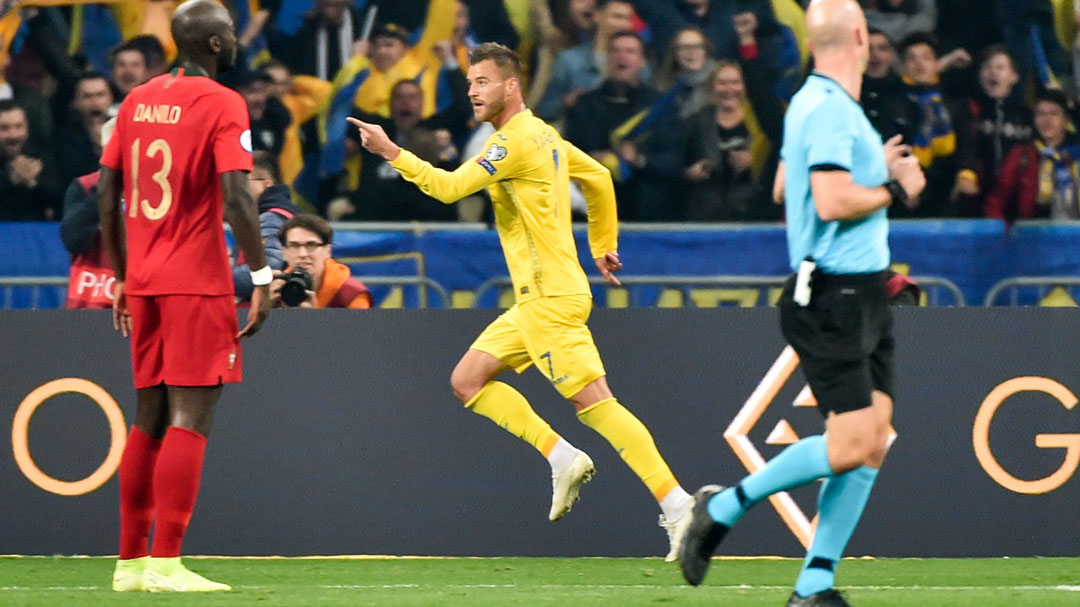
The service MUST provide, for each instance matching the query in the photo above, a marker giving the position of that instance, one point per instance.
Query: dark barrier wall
(344, 437)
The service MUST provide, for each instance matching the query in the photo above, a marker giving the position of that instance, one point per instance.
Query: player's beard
(492, 108)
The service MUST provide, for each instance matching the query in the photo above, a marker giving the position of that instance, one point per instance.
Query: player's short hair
(312, 223)
(504, 57)
(918, 39)
(602, 4)
(265, 161)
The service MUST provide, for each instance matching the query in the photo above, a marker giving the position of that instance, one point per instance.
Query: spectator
(688, 65)
(269, 117)
(27, 186)
(722, 137)
(961, 25)
(998, 120)
(406, 13)
(128, 68)
(303, 97)
(580, 69)
(715, 18)
(390, 58)
(91, 278)
(79, 136)
(153, 53)
(883, 97)
(1029, 25)
(936, 138)
(275, 208)
(324, 42)
(901, 18)
(487, 21)
(306, 242)
(1041, 179)
(383, 194)
(560, 25)
(597, 115)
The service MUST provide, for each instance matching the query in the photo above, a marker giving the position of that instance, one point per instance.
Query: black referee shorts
(843, 338)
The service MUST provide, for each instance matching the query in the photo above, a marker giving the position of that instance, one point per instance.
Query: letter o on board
(20, 436)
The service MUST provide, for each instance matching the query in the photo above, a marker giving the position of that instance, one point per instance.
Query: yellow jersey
(527, 167)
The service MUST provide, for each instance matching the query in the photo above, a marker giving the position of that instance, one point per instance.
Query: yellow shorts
(549, 332)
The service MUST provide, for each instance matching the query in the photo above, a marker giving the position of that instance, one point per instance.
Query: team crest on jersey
(245, 140)
(495, 152)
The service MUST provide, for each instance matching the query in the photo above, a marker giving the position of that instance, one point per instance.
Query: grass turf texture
(452, 582)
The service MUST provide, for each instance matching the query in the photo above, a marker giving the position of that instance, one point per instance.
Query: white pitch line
(870, 588)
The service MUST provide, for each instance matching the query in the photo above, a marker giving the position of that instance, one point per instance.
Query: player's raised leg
(176, 488)
(136, 487)
(472, 381)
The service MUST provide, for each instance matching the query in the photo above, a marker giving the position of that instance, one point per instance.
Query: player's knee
(464, 384)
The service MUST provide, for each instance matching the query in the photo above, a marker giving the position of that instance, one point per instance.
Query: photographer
(312, 279)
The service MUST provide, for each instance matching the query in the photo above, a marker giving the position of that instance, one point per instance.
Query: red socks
(136, 492)
(176, 485)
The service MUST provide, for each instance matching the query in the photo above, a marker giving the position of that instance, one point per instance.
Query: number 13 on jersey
(161, 178)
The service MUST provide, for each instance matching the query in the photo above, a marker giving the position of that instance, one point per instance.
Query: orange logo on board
(738, 437)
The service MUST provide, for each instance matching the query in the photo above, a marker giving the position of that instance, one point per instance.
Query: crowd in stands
(683, 100)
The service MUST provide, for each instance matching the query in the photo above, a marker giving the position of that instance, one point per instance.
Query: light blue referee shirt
(825, 129)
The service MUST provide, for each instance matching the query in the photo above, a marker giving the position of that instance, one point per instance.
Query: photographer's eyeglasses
(309, 247)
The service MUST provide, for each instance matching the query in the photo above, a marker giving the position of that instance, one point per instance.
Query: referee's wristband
(896, 191)
(262, 277)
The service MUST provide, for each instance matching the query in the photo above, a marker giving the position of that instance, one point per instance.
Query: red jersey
(174, 136)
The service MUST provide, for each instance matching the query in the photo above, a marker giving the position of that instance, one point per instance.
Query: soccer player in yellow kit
(527, 168)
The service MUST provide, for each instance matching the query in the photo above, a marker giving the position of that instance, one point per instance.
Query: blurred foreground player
(527, 169)
(181, 146)
(838, 181)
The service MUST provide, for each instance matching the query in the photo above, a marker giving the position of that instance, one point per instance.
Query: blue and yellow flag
(11, 21)
(332, 124)
(639, 127)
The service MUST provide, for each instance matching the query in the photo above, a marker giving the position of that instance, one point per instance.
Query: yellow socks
(631, 439)
(510, 411)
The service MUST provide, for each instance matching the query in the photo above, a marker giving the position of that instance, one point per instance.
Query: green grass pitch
(580, 582)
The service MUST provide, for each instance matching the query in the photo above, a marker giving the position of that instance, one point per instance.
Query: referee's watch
(897, 191)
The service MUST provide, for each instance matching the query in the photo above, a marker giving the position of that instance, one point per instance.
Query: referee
(840, 179)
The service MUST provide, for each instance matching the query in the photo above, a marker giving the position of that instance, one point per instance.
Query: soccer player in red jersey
(180, 156)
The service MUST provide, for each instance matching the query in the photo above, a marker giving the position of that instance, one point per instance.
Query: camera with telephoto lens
(297, 284)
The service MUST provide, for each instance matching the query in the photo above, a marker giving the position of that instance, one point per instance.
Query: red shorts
(184, 340)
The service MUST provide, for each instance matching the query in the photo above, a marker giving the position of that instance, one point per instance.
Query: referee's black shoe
(701, 538)
(825, 598)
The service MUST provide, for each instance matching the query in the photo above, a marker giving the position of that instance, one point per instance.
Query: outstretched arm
(447, 186)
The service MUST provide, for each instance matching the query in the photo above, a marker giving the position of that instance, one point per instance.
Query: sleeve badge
(495, 153)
